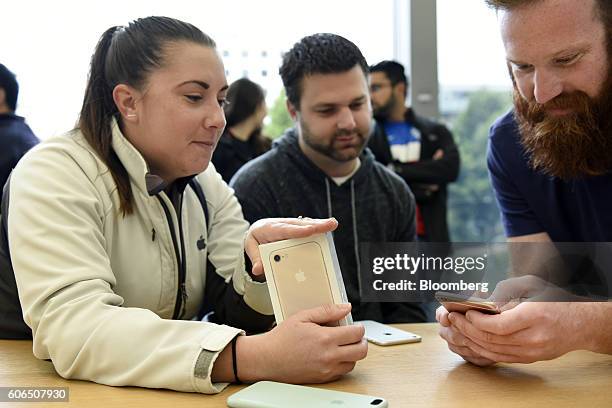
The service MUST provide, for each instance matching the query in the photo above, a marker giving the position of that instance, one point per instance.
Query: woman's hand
(276, 229)
(303, 349)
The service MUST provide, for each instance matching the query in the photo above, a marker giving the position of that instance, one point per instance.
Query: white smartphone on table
(270, 394)
(385, 335)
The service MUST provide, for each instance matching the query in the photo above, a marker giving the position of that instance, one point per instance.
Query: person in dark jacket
(16, 137)
(420, 151)
(242, 139)
(320, 167)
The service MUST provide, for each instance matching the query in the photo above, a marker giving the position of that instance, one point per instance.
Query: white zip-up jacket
(99, 289)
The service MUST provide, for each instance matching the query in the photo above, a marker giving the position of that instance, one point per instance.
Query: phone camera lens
(377, 401)
(277, 258)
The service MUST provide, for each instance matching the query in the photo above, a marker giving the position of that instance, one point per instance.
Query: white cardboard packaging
(303, 273)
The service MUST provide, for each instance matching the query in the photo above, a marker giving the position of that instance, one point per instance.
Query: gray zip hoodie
(374, 205)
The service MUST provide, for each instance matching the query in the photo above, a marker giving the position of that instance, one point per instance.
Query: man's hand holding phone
(453, 304)
(523, 331)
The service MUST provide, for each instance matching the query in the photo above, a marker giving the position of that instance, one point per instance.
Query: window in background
(50, 49)
(475, 89)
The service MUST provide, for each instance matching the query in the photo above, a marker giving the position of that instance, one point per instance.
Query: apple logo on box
(300, 276)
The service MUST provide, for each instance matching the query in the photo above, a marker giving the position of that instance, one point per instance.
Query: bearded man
(320, 168)
(549, 161)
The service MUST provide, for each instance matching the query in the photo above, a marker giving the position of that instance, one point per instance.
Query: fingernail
(468, 316)
(344, 306)
(451, 317)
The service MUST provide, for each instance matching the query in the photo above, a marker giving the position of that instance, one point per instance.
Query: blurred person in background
(422, 152)
(242, 139)
(16, 137)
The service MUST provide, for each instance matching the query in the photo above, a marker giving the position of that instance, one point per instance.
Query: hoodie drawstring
(329, 205)
(354, 218)
(356, 235)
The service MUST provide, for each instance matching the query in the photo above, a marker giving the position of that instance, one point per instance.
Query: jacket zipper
(183, 263)
(181, 291)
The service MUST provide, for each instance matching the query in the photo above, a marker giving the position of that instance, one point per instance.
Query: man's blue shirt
(531, 202)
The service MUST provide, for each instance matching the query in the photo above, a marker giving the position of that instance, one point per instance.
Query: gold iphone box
(303, 273)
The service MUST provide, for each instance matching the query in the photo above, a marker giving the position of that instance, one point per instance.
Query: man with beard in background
(320, 169)
(422, 152)
(549, 161)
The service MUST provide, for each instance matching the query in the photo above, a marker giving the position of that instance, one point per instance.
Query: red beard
(570, 146)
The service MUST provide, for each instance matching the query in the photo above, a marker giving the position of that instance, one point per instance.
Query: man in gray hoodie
(321, 168)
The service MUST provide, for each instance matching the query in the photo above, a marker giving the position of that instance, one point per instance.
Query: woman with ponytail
(121, 236)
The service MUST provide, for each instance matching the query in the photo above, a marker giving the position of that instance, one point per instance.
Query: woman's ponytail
(96, 117)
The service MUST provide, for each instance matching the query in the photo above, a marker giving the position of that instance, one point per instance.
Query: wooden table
(424, 374)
